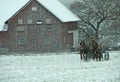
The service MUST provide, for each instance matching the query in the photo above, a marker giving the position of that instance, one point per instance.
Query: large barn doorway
(75, 38)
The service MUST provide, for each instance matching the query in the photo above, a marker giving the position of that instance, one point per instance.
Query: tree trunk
(97, 35)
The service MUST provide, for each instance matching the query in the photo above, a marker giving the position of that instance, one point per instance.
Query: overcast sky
(8, 8)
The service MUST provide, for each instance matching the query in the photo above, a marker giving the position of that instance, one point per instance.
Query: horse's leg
(86, 56)
(81, 55)
(100, 56)
(108, 56)
(93, 52)
(94, 56)
(97, 57)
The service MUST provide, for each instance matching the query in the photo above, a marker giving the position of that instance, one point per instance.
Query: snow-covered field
(58, 67)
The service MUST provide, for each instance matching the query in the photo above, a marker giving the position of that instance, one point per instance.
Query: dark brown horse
(98, 54)
(84, 49)
(96, 50)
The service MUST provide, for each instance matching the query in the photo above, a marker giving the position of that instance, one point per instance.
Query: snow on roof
(54, 6)
(59, 10)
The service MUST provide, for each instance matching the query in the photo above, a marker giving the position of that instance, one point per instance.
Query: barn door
(75, 37)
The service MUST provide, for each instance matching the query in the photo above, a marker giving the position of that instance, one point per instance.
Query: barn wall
(68, 37)
(3, 42)
(38, 37)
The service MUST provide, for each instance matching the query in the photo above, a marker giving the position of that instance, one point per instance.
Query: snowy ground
(58, 67)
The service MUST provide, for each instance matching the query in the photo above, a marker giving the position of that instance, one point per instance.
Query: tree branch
(88, 23)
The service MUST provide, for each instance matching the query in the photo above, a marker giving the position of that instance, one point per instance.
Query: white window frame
(21, 41)
(20, 29)
(48, 21)
(29, 21)
(39, 22)
(49, 29)
(48, 41)
(20, 21)
(34, 8)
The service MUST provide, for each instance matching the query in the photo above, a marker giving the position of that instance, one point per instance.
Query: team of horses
(91, 50)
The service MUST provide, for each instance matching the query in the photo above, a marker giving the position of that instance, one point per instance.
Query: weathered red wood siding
(36, 34)
(67, 38)
(4, 40)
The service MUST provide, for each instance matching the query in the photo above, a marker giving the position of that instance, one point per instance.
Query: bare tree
(94, 13)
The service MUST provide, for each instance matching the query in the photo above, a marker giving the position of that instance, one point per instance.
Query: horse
(93, 50)
(84, 49)
(98, 53)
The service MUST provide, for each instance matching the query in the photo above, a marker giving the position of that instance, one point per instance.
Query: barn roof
(54, 6)
(59, 10)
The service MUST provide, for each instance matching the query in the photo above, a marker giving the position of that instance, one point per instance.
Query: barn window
(34, 8)
(48, 21)
(48, 41)
(39, 22)
(29, 21)
(20, 29)
(21, 41)
(5, 27)
(48, 29)
(20, 21)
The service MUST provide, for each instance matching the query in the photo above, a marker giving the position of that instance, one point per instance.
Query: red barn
(40, 25)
